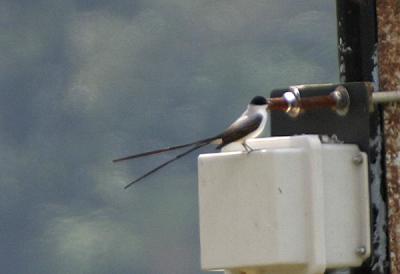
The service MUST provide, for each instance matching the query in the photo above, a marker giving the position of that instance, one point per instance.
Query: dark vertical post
(357, 40)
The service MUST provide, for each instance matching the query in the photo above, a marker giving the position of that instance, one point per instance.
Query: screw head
(361, 250)
(357, 159)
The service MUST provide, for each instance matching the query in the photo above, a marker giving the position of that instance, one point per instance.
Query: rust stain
(306, 103)
(388, 12)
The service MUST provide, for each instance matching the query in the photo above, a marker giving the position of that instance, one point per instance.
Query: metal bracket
(350, 126)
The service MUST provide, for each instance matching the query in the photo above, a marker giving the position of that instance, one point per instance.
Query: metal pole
(388, 14)
(357, 38)
(383, 97)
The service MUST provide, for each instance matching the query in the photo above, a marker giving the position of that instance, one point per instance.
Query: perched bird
(249, 125)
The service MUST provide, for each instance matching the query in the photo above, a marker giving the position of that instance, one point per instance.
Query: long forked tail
(152, 152)
(168, 162)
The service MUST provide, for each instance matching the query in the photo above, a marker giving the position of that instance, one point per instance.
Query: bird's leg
(247, 147)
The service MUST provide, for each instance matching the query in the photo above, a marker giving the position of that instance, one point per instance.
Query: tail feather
(169, 162)
(152, 152)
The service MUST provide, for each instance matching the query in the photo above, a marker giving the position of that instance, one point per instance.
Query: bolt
(357, 159)
(361, 250)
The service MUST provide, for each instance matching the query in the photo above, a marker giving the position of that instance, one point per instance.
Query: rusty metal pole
(388, 14)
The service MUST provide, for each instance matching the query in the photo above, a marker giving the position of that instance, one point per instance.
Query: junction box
(293, 205)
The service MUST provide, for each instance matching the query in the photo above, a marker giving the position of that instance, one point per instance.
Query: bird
(249, 125)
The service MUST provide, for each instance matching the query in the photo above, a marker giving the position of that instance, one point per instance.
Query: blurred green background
(84, 82)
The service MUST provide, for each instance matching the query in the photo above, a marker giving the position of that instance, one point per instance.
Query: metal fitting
(361, 251)
(292, 98)
(342, 98)
(358, 159)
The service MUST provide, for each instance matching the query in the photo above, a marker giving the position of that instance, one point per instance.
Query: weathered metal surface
(388, 13)
(357, 39)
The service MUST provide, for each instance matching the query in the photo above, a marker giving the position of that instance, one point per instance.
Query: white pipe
(381, 97)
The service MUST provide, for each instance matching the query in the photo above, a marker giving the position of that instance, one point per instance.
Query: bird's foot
(247, 148)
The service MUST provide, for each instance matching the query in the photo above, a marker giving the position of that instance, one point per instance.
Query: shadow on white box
(293, 205)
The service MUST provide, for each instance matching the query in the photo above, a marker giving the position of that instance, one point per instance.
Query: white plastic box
(294, 205)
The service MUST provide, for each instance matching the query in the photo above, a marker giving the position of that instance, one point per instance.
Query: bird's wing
(240, 128)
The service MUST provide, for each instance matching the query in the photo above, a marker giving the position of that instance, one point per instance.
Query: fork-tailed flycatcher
(249, 125)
